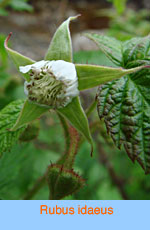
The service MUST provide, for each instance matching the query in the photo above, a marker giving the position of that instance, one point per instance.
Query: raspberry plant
(54, 84)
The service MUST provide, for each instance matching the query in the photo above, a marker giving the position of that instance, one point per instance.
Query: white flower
(52, 83)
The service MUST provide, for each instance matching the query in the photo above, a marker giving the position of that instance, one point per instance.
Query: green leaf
(108, 45)
(61, 47)
(20, 5)
(29, 113)
(8, 117)
(136, 49)
(76, 116)
(18, 59)
(91, 75)
(125, 106)
(125, 103)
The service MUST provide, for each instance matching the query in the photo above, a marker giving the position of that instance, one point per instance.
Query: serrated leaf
(136, 49)
(8, 117)
(61, 46)
(76, 116)
(29, 113)
(91, 75)
(108, 45)
(18, 59)
(125, 103)
(125, 106)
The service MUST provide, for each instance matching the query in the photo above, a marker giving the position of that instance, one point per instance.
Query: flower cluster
(52, 83)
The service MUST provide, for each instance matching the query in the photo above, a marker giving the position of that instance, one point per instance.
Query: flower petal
(64, 70)
(52, 84)
(27, 68)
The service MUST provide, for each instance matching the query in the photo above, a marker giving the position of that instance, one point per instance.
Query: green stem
(66, 131)
(74, 141)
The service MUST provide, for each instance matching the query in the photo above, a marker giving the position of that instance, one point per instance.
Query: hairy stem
(74, 142)
(66, 161)
(66, 131)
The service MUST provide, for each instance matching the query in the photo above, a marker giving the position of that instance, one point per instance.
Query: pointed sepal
(90, 76)
(29, 113)
(61, 46)
(17, 58)
(77, 117)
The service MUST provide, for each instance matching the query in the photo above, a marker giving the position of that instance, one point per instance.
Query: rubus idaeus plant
(54, 83)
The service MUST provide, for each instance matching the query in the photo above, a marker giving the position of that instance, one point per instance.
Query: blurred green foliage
(18, 5)
(119, 5)
(127, 25)
(11, 87)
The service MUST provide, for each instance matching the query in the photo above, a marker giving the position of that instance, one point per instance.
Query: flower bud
(52, 83)
(62, 182)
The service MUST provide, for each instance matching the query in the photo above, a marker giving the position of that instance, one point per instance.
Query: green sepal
(29, 113)
(61, 46)
(77, 117)
(62, 182)
(18, 59)
(31, 132)
(90, 76)
(73, 112)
